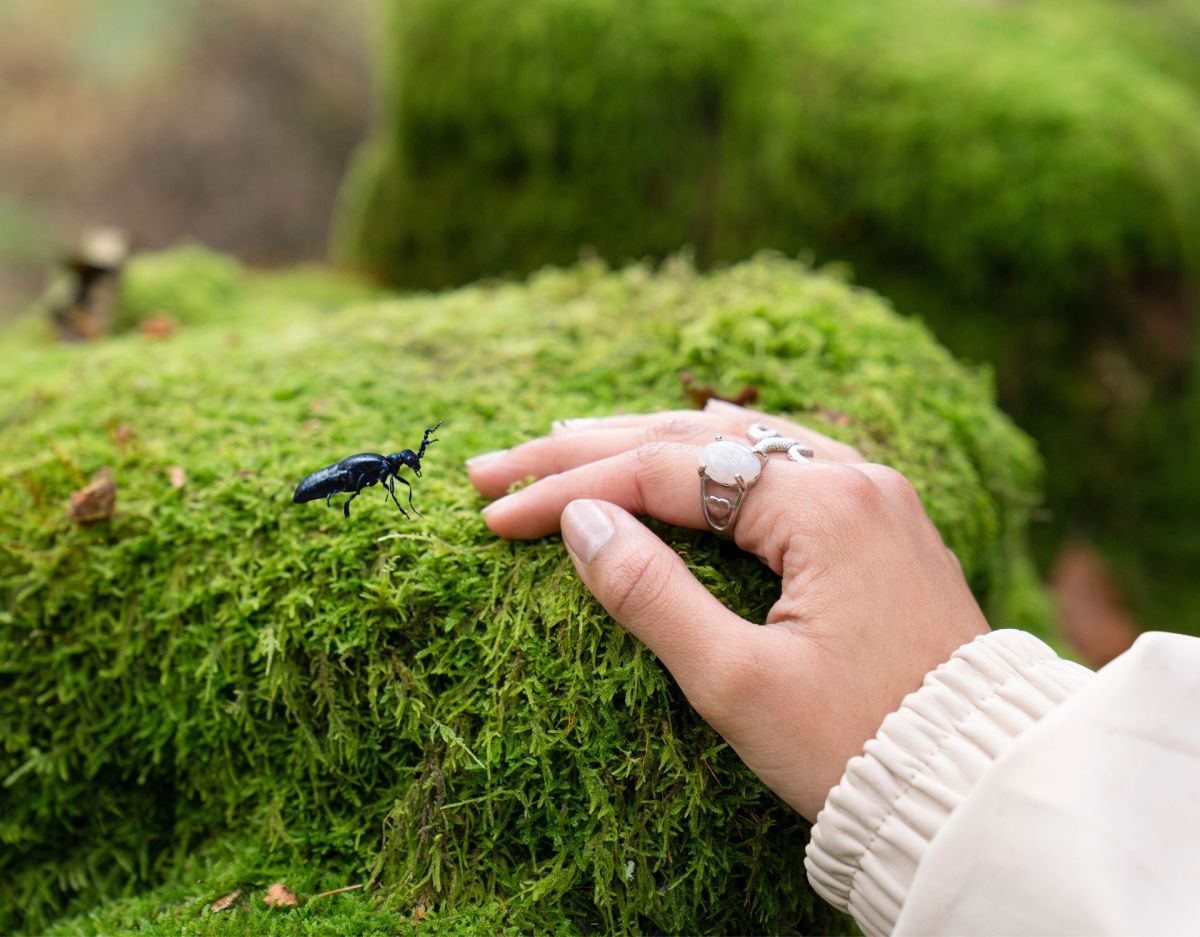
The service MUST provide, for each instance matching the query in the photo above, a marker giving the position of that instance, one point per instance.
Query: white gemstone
(725, 459)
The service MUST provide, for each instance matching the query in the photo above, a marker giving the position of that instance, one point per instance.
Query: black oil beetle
(356, 472)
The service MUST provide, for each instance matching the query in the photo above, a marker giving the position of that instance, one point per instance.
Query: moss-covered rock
(217, 688)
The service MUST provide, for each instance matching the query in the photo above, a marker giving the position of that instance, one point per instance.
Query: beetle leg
(327, 497)
(358, 486)
(410, 490)
(391, 488)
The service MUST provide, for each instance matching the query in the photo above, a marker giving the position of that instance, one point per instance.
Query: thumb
(647, 588)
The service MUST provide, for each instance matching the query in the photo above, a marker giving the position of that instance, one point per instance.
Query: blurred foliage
(217, 688)
(228, 121)
(1020, 175)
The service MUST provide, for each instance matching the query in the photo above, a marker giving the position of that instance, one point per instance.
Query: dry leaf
(177, 475)
(95, 501)
(279, 895)
(160, 326)
(223, 904)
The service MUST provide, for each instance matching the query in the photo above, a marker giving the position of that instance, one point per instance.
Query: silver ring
(769, 440)
(734, 467)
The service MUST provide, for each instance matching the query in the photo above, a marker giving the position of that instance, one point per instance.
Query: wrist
(925, 759)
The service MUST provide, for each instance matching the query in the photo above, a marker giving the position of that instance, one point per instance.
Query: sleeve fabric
(1017, 792)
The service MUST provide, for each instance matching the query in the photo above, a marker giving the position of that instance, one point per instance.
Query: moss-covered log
(216, 688)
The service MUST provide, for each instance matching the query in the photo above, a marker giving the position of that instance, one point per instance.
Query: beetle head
(407, 457)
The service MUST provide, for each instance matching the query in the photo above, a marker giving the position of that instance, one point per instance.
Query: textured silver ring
(734, 467)
(768, 440)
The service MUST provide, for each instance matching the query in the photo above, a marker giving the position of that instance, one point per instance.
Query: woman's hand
(871, 599)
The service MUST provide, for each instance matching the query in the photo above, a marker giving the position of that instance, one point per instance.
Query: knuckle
(675, 428)
(650, 456)
(894, 484)
(855, 491)
(640, 582)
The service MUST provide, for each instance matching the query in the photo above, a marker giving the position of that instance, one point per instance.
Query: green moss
(217, 679)
(1027, 149)
(1021, 175)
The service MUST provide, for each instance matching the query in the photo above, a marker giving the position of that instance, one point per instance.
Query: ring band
(769, 440)
(734, 467)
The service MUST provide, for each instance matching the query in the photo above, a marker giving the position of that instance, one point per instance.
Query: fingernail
(489, 507)
(485, 457)
(577, 423)
(585, 528)
(716, 404)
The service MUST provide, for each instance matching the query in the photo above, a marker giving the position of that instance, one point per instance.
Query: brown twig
(326, 894)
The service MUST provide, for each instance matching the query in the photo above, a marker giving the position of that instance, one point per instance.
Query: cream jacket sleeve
(1019, 793)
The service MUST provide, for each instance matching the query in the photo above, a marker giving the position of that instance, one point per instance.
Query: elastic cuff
(927, 756)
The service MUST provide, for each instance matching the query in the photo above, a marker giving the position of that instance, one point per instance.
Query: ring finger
(565, 449)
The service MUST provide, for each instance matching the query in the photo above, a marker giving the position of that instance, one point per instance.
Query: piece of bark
(224, 904)
(96, 501)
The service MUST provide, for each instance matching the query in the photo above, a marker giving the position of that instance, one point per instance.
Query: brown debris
(122, 434)
(160, 326)
(419, 912)
(224, 904)
(836, 417)
(178, 476)
(1091, 611)
(338, 891)
(700, 394)
(96, 501)
(280, 896)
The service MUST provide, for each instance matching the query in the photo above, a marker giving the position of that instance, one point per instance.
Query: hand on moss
(871, 598)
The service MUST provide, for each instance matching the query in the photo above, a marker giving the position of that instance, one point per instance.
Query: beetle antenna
(425, 440)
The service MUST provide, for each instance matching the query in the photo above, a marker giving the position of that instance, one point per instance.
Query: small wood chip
(177, 475)
(223, 904)
(279, 895)
(95, 501)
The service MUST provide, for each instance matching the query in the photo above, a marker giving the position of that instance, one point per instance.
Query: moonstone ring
(734, 467)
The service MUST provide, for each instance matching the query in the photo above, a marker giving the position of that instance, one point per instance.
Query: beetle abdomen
(320, 483)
